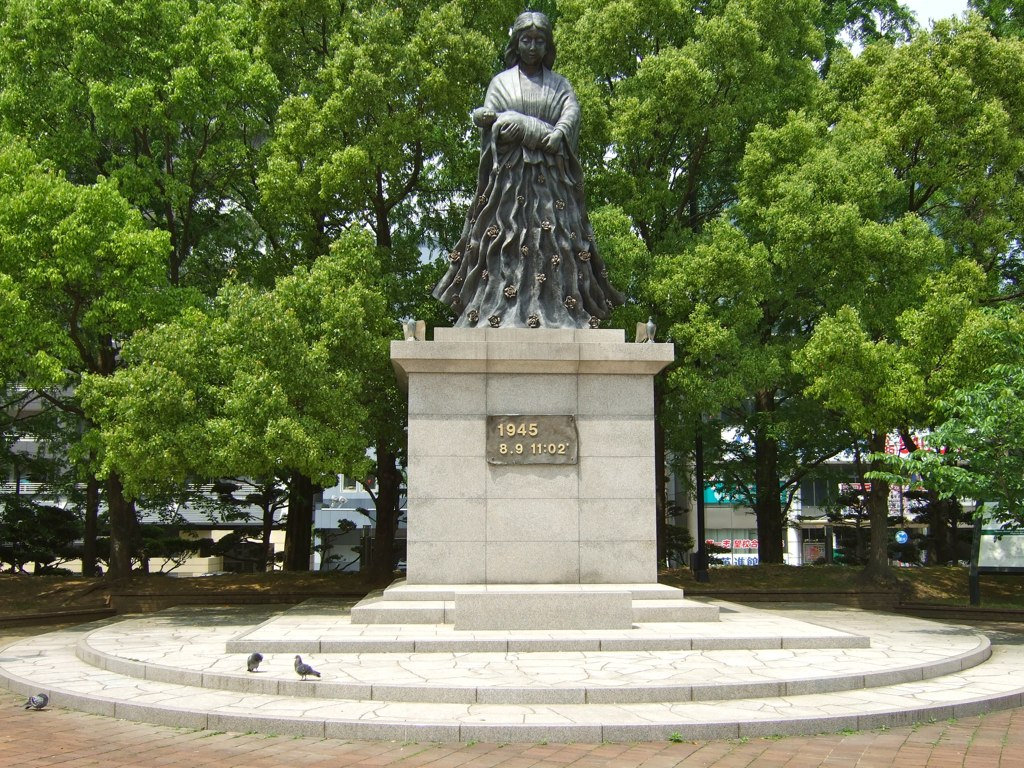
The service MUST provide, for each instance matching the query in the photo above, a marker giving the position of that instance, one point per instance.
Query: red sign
(734, 543)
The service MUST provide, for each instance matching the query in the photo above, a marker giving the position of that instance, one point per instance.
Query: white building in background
(343, 532)
(810, 536)
(340, 530)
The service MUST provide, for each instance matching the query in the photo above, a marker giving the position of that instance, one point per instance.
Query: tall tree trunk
(122, 527)
(771, 529)
(878, 514)
(299, 530)
(944, 531)
(91, 527)
(953, 511)
(389, 503)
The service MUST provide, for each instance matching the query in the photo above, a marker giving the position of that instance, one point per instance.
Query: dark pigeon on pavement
(253, 662)
(303, 669)
(39, 701)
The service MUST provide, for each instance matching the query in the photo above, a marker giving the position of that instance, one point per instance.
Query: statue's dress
(526, 257)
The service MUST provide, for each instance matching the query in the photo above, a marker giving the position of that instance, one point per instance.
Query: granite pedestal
(475, 520)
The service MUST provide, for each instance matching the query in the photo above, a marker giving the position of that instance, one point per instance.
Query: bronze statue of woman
(526, 257)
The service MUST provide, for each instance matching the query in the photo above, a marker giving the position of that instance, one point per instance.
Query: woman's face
(533, 45)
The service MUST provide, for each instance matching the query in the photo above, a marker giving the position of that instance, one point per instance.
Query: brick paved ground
(56, 737)
(66, 739)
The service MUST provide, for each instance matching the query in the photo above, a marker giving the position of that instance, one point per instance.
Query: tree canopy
(262, 383)
(213, 214)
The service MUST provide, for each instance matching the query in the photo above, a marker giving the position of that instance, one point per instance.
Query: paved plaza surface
(790, 670)
(55, 737)
(59, 737)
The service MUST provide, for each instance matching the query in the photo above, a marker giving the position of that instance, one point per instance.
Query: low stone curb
(56, 617)
(504, 732)
(979, 613)
(523, 645)
(140, 602)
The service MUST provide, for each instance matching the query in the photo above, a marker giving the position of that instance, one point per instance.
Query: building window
(817, 492)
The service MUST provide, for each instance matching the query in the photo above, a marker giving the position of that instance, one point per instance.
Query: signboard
(902, 537)
(515, 439)
(734, 543)
(742, 551)
(997, 549)
(813, 551)
(731, 559)
(717, 493)
(1000, 549)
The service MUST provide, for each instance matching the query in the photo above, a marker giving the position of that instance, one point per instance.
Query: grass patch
(22, 593)
(27, 594)
(940, 585)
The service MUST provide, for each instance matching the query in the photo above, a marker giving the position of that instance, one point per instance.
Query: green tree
(973, 451)
(1003, 16)
(747, 297)
(263, 383)
(41, 534)
(671, 95)
(940, 118)
(170, 99)
(890, 203)
(80, 273)
(378, 139)
(172, 102)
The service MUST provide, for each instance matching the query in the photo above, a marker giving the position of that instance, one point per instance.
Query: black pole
(700, 565)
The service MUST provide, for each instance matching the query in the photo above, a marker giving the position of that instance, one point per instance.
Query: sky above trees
(936, 9)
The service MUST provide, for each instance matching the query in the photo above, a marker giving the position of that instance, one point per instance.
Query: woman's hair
(525, 21)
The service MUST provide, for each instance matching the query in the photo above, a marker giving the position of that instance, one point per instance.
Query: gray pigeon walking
(39, 701)
(303, 669)
(253, 662)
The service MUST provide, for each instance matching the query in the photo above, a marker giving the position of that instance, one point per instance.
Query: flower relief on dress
(526, 257)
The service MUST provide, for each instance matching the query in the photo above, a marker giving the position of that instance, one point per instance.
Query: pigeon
(39, 701)
(651, 328)
(253, 661)
(303, 669)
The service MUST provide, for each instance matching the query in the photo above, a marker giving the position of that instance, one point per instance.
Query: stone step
(543, 610)
(673, 610)
(323, 626)
(640, 641)
(402, 590)
(382, 611)
(527, 677)
(530, 606)
(48, 663)
(390, 611)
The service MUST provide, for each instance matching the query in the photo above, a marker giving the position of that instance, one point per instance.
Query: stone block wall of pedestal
(471, 522)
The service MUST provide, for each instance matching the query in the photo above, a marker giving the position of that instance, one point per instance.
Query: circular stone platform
(754, 672)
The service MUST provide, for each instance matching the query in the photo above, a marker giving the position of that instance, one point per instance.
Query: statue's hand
(511, 132)
(484, 117)
(552, 142)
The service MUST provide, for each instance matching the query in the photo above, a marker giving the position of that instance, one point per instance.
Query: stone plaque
(532, 440)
